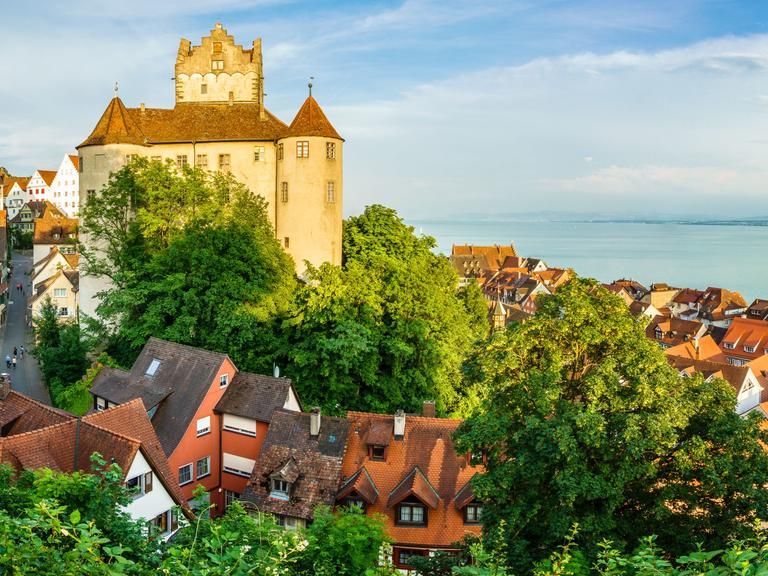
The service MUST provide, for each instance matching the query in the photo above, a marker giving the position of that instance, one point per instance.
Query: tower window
(217, 65)
(302, 149)
(330, 150)
(284, 192)
(258, 154)
(224, 162)
(279, 151)
(330, 192)
(203, 88)
(217, 47)
(287, 242)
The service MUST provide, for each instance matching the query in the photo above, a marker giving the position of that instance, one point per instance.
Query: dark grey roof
(254, 396)
(177, 387)
(317, 462)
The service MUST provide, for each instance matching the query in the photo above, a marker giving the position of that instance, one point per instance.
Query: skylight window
(153, 366)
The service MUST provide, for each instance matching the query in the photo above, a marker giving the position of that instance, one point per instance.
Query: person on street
(14, 362)
(15, 350)
(7, 360)
(22, 352)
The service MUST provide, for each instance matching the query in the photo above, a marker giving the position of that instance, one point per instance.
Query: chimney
(428, 409)
(696, 346)
(275, 370)
(142, 107)
(231, 98)
(314, 422)
(5, 387)
(399, 425)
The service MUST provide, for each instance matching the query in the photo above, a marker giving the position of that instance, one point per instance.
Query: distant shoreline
(762, 222)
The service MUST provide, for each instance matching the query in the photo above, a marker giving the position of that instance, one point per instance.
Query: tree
(388, 330)
(585, 422)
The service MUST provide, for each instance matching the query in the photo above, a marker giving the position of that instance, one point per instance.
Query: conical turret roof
(115, 127)
(311, 121)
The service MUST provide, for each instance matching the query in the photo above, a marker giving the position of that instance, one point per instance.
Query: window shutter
(148, 482)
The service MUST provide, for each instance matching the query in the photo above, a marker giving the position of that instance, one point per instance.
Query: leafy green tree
(46, 325)
(389, 329)
(585, 422)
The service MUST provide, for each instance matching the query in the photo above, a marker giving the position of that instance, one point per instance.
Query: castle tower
(310, 187)
(219, 71)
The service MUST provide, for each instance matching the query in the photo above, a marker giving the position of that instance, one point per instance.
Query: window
(302, 149)
(101, 404)
(473, 513)
(412, 513)
(181, 161)
(224, 161)
(80, 164)
(165, 522)
(223, 380)
(283, 192)
(130, 158)
(63, 311)
(330, 150)
(354, 502)
(202, 161)
(185, 474)
(749, 349)
(217, 65)
(90, 194)
(203, 426)
(203, 467)
(280, 151)
(217, 47)
(291, 523)
(156, 158)
(377, 452)
(230, 497)
(729, 345)
(405, 557)
(287, 242)
(658, 333)
(330, 192)
(258, 154)
(153, 366)
(280, 489)
(237, 465)
(203, 88)
(59, 292)
(239, 425)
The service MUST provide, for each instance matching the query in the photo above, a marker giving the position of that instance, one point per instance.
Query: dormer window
(658, 333)
(749, 349)
(153, 366)
(280, 489)
(223, 380)
(411, 512)
(473, 513)
(729, 345)
(377, 452)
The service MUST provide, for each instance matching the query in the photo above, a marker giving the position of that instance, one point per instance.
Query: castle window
(224, 162)
(284, 191)
(217, 47)
(287, 242)
(181, 161)
(217, 65)
(330, 150)
(258, 154)
(80, 164)
(302, 149)
(330, 192)
(203, 88)
(279, 151)
(202, 161)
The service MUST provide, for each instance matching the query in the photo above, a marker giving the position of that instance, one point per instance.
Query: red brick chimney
(428, 409)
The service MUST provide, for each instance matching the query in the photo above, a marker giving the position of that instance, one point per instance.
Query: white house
(16, 196)
(39, 185)
(54, 261)
(63, 290)
(65, 189)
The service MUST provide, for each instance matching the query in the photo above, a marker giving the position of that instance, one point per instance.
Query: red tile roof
(310, 120)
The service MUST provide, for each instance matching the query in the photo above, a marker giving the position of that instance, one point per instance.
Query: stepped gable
(131, 420)
(254, 396)
(311, 121)
(116, 126)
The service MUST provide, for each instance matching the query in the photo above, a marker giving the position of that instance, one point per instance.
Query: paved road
(26, 378)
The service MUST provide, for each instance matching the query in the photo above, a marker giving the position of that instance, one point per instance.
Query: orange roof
(423, 464)
(115, 127)
(707, 350)
(494, 255)
(311, 121)
(746, 332)
(75, 161)
(54, 229)
(47, 176)
(11, 180)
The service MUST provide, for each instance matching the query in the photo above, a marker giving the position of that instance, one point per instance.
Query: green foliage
(193, 259)
(584, 422)
(388, 330)
(21, 239)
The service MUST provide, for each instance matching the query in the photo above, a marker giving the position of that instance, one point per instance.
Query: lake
(682, 255)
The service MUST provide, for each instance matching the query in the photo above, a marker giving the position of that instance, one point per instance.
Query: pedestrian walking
(15, 351)
(14, 362)
(7, 360)
(22, 352)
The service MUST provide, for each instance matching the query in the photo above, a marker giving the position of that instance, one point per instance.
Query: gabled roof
(317, 462)
(414, 484)
(11, 180)
(359, 483)
(177, 387)
(20, 413)
(52, 228)
(75, 161)
(310, 120)
(47, 176)
(705, 349)
(495, 255)
(465, 495)
(254, 396)
(116, 126)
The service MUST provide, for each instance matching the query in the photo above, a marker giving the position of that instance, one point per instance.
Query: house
(686, 303)
(719, 306)
(32, 210)
(619, 291)
(469, 267)
(660, 295)
(299, 467)
(39, 185)
(743, 380)
(63, 290)
(407, 469)
(668, 332)
(246, 410)
(52, 262)
(633, 287)
(180, 386)
(33, 435)
(758, 310)
(745, 340)
(15, 195)
(494, 255)
(52, 230)
(704, 348)
(65, 189)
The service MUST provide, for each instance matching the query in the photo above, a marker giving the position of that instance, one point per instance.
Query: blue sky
(449, 108)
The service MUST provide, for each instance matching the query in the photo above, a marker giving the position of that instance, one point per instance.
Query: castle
(219, 122)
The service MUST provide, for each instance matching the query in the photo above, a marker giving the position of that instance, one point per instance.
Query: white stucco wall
(149, 505)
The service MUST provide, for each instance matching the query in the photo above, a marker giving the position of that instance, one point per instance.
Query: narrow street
(26, 378)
